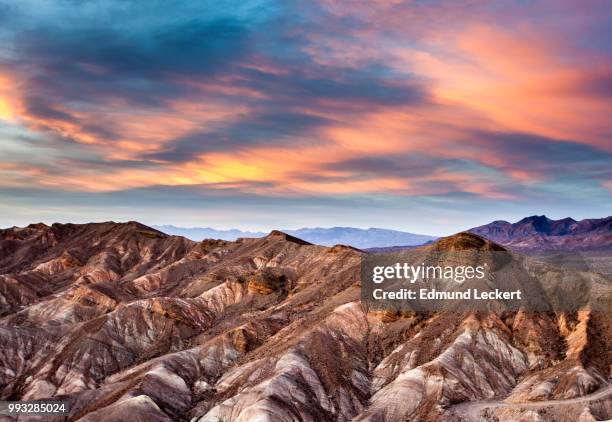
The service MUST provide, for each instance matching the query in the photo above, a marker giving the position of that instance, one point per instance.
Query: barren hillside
(125, 322)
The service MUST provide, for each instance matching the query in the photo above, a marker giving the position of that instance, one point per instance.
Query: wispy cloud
(393, 99)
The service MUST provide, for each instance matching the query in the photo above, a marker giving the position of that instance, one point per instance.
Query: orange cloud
(138, 130)
(479, 78)
(523, 82)
(10, 106)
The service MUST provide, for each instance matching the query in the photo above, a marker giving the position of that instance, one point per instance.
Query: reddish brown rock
(127, 323)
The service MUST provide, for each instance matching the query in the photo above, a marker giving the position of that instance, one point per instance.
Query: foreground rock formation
(127, 323)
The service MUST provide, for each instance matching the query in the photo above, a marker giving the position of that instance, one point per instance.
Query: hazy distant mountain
(358, 238)
(540, 232)
(199, 233)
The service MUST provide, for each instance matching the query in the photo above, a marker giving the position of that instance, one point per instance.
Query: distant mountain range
(200, 233)
(542, 233)
(358, 238)
(530, 233)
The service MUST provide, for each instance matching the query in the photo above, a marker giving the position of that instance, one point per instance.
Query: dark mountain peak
(500, 223)
(277, 234)
(466, 241)
(533, 218)
(563, 226)
(595, 223)
(541, 232)
(539, 221)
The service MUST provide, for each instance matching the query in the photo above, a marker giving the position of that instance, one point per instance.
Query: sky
(425, 116)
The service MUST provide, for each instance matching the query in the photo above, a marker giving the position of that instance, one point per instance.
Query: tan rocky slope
(126, 323)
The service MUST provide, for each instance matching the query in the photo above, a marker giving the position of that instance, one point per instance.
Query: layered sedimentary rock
(124, 322)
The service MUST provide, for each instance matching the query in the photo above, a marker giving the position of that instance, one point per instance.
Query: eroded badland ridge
(123, 321)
